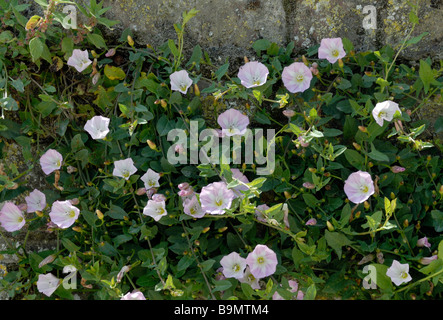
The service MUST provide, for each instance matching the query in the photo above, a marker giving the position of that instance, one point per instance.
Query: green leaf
(35, 48)
(437, 220)
(68, 244)
(355, 159)
(97, 40)
(114, 73)
(173, 47)
(381, 279)
(221, 71)
(440, 250)
(336, 240)
(310, 200)
(377, 155)
(222, 285)
(311, 292)
(426, 75)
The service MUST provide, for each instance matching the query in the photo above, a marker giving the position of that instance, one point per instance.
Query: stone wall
(227, 28)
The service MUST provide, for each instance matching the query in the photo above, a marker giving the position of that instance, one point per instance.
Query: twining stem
(198, 262)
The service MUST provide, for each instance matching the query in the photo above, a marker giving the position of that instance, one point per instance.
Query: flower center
(218, 202)
(71, 213)
(335, 53)
(260, 260)
(364, 189)
(193, 211)
(19, 219)
(151, 183)
(236, 268)
(403, 275)
(125, 173)
(381, 114)
(299, 77)
(183, 87)
(160, 211)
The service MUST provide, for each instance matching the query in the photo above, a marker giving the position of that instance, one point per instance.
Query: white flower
(79, 60)
(180, 81)
(233, 122)
(97, 127)
(11, 217)
(359, 186)
(63, 214)
(36, 201)
(155, 209)
(385, 111)
(47, 283)
(399, 273)
(134, 295)
(150, 178)
(253, 74)
(216, 197)
(233, 265)
(249, 278)
(51, 161)
(331, 49)
(124, 168)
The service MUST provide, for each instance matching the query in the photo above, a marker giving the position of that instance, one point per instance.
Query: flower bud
(397, 169)
(423, 242)
(311, 222)
(288, 113)
(428, 260)
(196, 90)
(99, 214)
(308, 185)
(340, 63)
(130, 41)
(330, 226)
(151, 144)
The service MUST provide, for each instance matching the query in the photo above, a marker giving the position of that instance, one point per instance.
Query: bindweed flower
(155, 209)
(134, 295)
(308, 185)
(262, 261)
(249, 278)
(122, 272)
(331, 49)
(260, 211)
(288, 113)
(97, 127)
(233, 122)
(294, 289)
(36, 201)
(359, 186)
(423, 242)
(51, 161)
(11, 217)
(192, 207)
(428, 260)
(237, 174)
(124, 168)
(63, 214)
(79, 60)
(150, 179)
(216, 197)
(399, 273)
(397, 169)
(297, 77)
(233, 265)
(180, 81)
(385, 111)
(311, 222)
(47, 260)
(253, 74)
(158, 197)
(47, 283)
(179, 149)
(110, 53)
